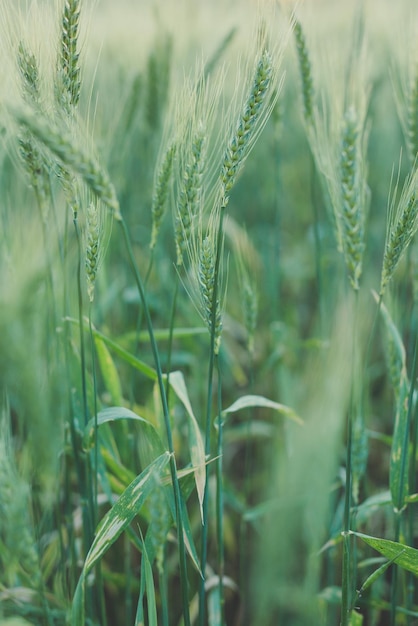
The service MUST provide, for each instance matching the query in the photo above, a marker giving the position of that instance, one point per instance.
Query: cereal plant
(208, 321)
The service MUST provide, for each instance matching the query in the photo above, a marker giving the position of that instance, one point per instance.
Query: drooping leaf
(129, 358)
(399, 457)
(115, 521)
(116, 413)
(246, 402)
(109, 371)
(197, 448)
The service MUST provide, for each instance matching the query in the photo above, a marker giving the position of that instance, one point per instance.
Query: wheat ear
(62, 145)
(305, 72)
(34, 162)
(206, 277)
(190, 194)
(159, 199)
(68, 83)
(248, 126)
(352, 196)
(401, 228)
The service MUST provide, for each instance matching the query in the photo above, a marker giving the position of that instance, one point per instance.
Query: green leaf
(399, 457)
(214, 607)
(197, 449)
(246, 402)
(377, 573)
(146, 574)
(187, 531)
(399, 454)
(356, 619)
(113, 524)
(116, 413)
(404, 556)
(109, 371)
(129, 358)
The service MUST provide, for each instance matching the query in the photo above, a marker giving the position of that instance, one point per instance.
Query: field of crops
(208, 313)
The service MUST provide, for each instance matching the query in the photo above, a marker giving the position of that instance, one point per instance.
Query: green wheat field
(208, 313)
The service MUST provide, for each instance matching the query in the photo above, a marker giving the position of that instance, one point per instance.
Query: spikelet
(33, 160)
(401, 227)
(92, 249)
(160, 195)
(158, 79)
(250, 123)
(305, 73)
(206, 277)
(190, 193)
(68, 83)
(71, 156)
(353, 208)
(29, 74)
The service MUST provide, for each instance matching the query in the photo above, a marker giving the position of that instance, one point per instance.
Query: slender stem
(220, 497)
(318, 247)
(96, 441)
(205, 504)
(348, 575)
(170, 336)
(81, 325)
(404, 459)
(87, 487)
(410, 583)
(95, 465)
(163, 396)
(163, 594)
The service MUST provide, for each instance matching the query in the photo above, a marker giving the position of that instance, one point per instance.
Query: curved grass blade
(197, 448)
(116, 413)
(113, 524)
(377, 573)
(147, 585)
(109, 371)
(246, 402)
(404, 556)
(399, 465)
(129, 358)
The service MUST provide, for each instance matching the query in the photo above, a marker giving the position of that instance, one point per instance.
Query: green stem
(164, 594)
(318, 247)
(348, 575)
(163, 396)
(220, 497)
(87, 488)
(205, 504)
(170, 336)
(410, 581)
(404, 460)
